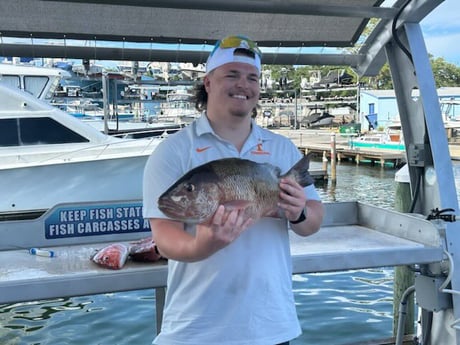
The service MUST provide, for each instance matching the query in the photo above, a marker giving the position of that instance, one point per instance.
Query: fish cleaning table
(353, 236)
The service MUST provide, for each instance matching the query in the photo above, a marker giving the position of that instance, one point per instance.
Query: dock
(374, 156)
(319, 141)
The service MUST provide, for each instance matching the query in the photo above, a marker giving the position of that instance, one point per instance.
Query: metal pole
(295, 113)
(115, 102)
(358, 100)
(105, 101)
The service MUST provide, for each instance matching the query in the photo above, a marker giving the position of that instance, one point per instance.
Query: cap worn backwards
(224, 52)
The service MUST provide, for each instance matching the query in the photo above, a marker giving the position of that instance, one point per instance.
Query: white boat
(386, 140)
(42, 82)
(86, 108)
(48, 157)
(179, 107)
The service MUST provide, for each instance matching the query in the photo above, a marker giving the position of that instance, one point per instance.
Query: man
(229, 282)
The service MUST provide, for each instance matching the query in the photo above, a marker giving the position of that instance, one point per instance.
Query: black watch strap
(301, 218)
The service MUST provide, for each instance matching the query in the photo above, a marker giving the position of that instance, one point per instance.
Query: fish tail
(300, 171)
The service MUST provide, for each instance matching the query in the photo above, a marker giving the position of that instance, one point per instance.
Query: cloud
(441, 30)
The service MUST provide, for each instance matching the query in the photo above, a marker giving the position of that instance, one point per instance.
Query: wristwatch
(301, 218)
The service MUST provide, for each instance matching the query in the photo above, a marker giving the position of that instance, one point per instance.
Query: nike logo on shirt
(202, 149)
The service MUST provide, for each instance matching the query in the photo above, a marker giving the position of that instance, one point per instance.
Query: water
(334, 308)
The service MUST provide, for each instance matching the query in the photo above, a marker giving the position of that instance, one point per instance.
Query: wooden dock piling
(333, 159)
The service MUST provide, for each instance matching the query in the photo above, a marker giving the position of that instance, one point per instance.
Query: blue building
(378, 108)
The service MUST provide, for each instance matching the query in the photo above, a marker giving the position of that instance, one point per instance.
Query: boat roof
(30, 70)
(275, 25)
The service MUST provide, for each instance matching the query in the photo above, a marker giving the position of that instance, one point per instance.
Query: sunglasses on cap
(237, 42)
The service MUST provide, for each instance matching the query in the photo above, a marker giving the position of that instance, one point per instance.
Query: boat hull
(384, 146)
(41, 187)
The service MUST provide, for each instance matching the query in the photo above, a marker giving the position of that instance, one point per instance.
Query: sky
(441, 30)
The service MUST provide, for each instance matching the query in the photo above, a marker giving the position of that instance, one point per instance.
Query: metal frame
(429, 162)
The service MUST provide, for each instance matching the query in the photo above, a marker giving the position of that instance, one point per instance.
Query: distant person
(230, 281)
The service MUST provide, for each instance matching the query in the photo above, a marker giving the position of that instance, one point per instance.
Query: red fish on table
(114, 256)
(144, 250)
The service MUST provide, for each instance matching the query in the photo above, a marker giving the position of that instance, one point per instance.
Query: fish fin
(300, 171)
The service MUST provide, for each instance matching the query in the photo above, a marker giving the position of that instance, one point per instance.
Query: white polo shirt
(241, 295)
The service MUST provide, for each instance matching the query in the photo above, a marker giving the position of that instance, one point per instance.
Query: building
(378, 108)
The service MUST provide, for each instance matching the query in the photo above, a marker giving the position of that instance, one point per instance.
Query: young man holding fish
(227, 241)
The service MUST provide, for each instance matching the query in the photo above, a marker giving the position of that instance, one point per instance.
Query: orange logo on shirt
(202, 149)
(259, 150)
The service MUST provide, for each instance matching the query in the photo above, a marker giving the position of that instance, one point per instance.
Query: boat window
(11, 80)
(54, 85)
(35, 84)
(36, 131)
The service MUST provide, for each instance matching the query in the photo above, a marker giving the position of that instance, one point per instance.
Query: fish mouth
(170, 209)
(176, 212)
(173, 212)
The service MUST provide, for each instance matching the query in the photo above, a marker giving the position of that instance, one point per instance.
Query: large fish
(232, 182)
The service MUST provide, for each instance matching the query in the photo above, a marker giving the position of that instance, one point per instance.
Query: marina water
(334, 308)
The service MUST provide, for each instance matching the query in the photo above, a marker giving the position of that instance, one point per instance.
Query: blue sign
(92, 220)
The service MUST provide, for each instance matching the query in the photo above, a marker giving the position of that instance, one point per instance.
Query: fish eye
(189, 187)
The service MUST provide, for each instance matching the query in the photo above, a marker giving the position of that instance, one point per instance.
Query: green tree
(445, 73)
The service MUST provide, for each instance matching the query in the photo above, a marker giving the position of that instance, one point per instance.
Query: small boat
(387, 140)
(48, 156)
(323, 119)
(317, 117)
(86, 108)
(179, 107)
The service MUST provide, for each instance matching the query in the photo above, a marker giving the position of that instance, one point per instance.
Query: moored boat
(42, 82)
(387, 140)
(48, 156)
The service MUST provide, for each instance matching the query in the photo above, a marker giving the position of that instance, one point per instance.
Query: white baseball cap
(224, 52)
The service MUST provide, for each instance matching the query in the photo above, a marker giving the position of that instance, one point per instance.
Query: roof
(442, 92)
(277, 24)
(380, 93)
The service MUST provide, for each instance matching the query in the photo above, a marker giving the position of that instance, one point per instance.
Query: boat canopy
(327, 25)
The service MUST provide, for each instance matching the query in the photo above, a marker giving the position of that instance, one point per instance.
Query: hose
(402, 314)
